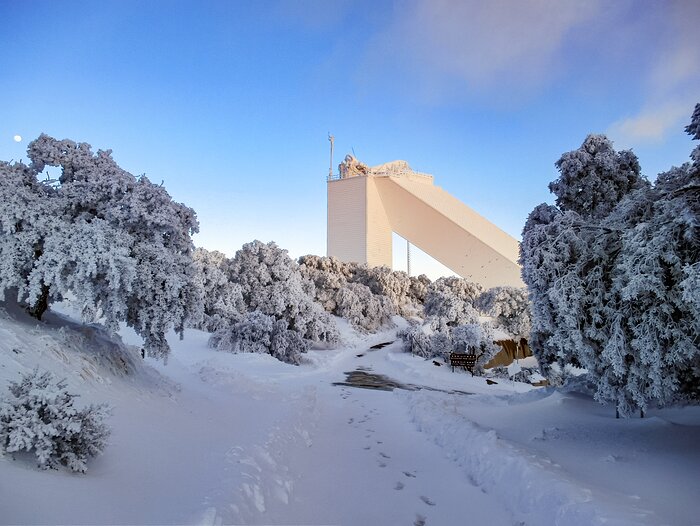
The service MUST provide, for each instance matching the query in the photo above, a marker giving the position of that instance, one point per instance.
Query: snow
(214, 438)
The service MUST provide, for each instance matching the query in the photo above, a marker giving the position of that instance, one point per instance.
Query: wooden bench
(468, 361)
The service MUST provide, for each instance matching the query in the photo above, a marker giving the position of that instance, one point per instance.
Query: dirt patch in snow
(365, 379)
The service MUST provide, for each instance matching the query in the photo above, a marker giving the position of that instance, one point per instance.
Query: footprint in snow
(427, 500)
(384, 455)
(367, 447)
(420, 520)
(382, 464)
(399, 486)
(409, 474)
(351, 421)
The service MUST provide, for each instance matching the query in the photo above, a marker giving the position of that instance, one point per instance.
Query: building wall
(364, 211)
(379, 238)
(347, 219)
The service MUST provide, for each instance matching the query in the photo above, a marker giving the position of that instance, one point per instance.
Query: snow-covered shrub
(451, 323)
(39, 416)
(271, 282)
(509, 308)
(475, 338)
(405, 293)
(419, 289)
(422, 340)
(328, 281)
(435, 339)
(327, 275)
(256, 332)
(222, 300)
(117, 243)
(611, 275)
(356, 303)
(336, 285)
(524, 374)
(452, 299)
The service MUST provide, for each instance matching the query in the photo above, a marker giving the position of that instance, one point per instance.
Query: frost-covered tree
(451, 323)
(427, 341)
(693, 129)
(594, 178)
(271, 282)
(510, 308)
(395, 285)
(351, 300)
(475, 338)
(615, 290)
(419, 289)
(117, 243)
(356, 303)
(256, 332)
(327, 275)
(39, 415)
(222, 299)
(654, 349)
(452, 299)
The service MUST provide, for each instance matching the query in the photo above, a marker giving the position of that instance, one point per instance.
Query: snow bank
(87, 356)
(531, 487)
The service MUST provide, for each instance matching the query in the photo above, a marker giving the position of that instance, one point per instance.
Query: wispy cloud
(651, 124)
(672, 82)
(481, 46)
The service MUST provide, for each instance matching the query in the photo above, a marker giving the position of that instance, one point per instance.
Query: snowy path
(334, 455)
(365, 463)
(216, 438)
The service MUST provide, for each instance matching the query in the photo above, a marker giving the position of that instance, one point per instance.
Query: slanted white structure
(366, 204)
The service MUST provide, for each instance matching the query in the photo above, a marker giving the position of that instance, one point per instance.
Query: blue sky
(230, 103)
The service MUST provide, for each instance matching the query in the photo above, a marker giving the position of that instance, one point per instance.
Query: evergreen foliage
(271, 282)
(256, 332)
(39, 416)
(452, 324)
(117, 243)
(222, 299)
(612, 276)
(510, 309)
(405, 294)
(336, 286)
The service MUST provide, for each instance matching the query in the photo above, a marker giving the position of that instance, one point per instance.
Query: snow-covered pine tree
(272, 283)
(613, 284)
(353, 301)
(118, 243)
(510, 308)
(594, 178)
(452, 299)
(255, 332)
(40, 416)
(654, 346)
(222, 300)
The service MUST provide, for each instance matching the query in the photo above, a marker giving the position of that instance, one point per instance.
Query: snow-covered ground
(213, 438)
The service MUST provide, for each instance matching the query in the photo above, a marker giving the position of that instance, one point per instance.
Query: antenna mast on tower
(330, 169)
(408, 258)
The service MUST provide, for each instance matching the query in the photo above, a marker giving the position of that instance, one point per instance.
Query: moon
(17, 138)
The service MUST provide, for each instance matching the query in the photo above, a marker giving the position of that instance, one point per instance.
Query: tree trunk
(42, 304)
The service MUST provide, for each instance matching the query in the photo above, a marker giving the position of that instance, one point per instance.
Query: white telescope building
(366, 204)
